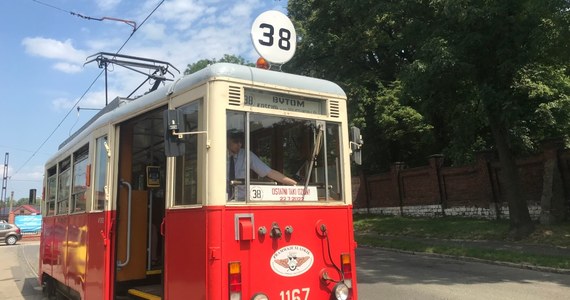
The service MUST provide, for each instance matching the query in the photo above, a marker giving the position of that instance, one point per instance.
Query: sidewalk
(16, 283)
(485, 244)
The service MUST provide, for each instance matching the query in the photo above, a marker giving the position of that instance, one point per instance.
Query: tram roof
(242, 72)
(121, 107)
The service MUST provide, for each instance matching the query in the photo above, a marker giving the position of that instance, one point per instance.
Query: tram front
(292, 222)
(269, 166)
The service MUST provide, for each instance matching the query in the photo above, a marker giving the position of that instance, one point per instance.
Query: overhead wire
(52, 6)
(88, 89)
(128, 22)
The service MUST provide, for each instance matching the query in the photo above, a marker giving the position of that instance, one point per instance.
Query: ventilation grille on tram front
(334, 109)
(235, 95)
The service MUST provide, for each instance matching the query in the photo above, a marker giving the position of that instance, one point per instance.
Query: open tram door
(138, 251)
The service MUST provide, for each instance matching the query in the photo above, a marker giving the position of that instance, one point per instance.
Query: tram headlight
(260, 296)
(341, 291)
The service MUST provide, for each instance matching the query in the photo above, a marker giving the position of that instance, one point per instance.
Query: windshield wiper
(316, 150)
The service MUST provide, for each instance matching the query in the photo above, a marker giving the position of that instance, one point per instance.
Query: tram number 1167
(295, 294)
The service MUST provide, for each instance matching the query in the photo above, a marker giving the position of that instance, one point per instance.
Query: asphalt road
(381, 275)
(392, 275)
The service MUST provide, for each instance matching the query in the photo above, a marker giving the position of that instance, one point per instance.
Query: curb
(30, 238)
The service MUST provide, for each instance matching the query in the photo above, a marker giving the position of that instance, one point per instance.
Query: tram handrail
(121, 264)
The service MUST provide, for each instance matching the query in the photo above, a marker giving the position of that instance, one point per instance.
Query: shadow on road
(402, 269)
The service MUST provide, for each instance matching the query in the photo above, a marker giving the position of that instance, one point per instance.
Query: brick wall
(472, 190)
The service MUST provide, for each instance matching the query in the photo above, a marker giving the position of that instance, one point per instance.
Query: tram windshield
(289, 159)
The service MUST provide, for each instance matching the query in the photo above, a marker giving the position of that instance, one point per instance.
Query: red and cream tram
(138, 204)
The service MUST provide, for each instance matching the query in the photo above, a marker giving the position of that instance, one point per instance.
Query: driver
(236, 158)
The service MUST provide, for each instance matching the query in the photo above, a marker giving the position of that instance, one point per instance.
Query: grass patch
(396, 232)
(558, 235)
(442, 228)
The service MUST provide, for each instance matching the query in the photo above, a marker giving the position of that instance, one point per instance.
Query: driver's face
(234, 146)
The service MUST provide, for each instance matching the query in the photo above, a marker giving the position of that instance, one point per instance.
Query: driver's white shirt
(258, 166)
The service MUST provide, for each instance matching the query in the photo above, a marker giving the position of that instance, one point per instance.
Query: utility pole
(11, 201)
(4, 181)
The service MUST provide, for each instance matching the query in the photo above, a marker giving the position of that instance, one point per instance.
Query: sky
(44, 45)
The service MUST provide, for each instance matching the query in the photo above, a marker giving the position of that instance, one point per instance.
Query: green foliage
(197, 66)
(501, 44)
(458, 228)
(22, 201)
(443, 76)
(357, 45)
(441, 228)
(402, 127)
(461, 67)
(549, 87)
(201, 64)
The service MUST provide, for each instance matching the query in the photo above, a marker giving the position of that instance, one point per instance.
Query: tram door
(140, 206)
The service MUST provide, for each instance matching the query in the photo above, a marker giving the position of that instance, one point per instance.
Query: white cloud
(50, 48)
(70, 60)
(243, 9)
(96, 100)
(185, 14)
(107, 4)
(92, 100)
(32, 173)
(104, 44)
(184, 31)
(61, 104)
(67, 67)
(154, 31)
(180, 32)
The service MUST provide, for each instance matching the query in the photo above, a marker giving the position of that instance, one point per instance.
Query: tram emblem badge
(292, 260)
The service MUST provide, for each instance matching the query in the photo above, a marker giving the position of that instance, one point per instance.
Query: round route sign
(274, 37)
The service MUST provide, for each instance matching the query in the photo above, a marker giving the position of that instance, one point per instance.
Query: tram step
(154, 272)
(149, 292)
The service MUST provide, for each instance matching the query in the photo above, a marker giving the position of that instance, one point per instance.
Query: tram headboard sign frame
(274, 37)
(259, 98)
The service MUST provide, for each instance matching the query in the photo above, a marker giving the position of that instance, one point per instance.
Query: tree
(480, 74)
(201, 64)
(354, 44)
(22, 201)
(489, 47)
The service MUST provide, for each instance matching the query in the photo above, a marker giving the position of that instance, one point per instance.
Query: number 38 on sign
(274, 37)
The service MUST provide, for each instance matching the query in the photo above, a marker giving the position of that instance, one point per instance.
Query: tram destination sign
(282, 193)
(263, 99)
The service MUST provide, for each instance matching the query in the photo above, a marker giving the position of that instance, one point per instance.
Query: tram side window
(51, 191)
(78, 203)
(100, 183)
(63, 186)
(187, 179)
